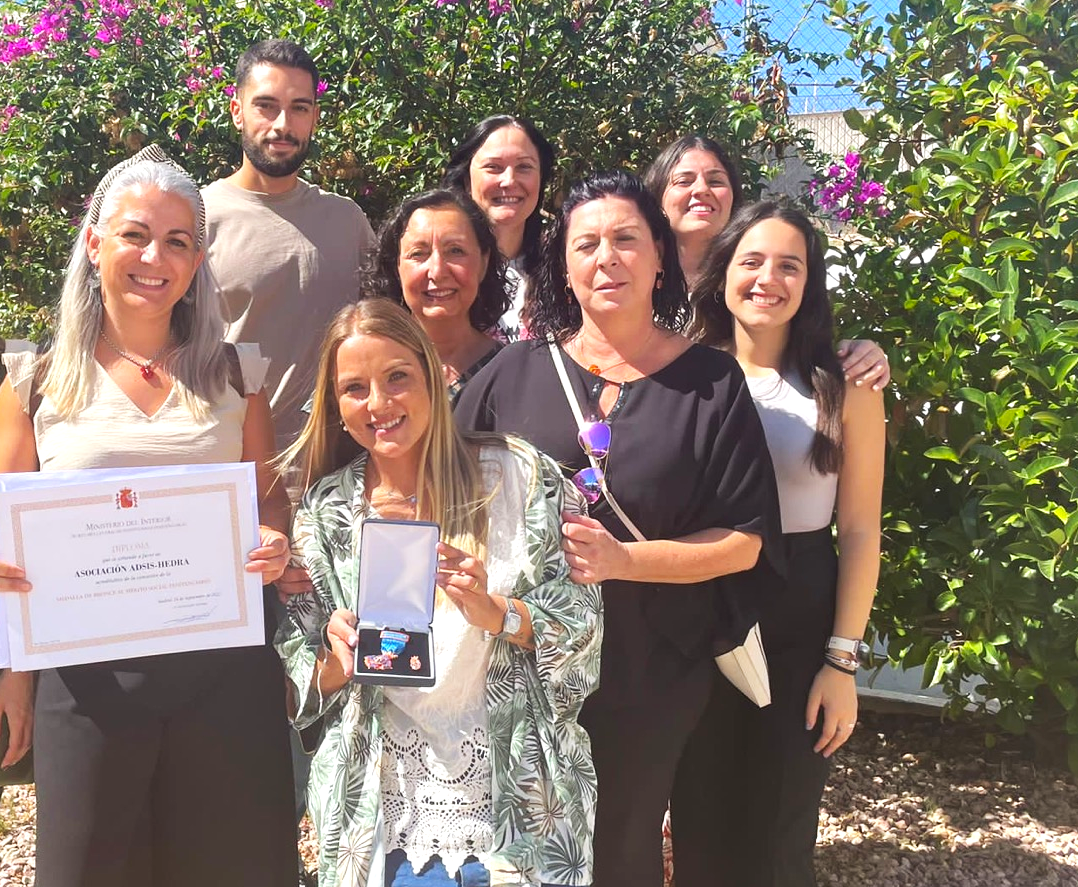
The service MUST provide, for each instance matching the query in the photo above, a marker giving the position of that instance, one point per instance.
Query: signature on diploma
(191, 618)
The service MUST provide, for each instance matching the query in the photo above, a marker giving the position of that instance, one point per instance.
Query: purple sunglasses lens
(594, 438)
(590, 483)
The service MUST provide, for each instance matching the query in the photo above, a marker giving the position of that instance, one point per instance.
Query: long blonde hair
(450, 484)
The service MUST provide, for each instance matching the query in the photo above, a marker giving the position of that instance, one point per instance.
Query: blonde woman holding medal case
(487, 774)
(754, 777)
(128, 752)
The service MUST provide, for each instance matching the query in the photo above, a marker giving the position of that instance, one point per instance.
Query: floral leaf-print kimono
(541, 799)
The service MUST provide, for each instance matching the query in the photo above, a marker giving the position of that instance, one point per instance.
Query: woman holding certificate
(169, 769)
(486, 775)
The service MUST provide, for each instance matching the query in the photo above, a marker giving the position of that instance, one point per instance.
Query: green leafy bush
(976, 135)
(90, 81)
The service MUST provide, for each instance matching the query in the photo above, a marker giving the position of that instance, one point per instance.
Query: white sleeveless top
(788, 413)
(111, 432)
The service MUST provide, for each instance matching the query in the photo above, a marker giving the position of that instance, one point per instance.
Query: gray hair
(198, 364)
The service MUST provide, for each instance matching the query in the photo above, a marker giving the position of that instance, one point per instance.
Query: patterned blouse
(544, 787)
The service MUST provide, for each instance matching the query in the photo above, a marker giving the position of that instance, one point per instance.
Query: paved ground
(912, 802)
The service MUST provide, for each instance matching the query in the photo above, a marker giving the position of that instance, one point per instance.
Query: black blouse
(687, 453)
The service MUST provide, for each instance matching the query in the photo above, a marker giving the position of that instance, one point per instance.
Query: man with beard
(285, 253)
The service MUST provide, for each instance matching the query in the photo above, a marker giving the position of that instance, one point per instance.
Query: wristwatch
(856, 647)
(511, 622)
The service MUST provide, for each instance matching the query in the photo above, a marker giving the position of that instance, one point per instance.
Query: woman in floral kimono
(487, 773)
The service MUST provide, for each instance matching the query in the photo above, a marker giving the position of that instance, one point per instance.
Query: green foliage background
(969, 281)
(972, 278)
(608, 82)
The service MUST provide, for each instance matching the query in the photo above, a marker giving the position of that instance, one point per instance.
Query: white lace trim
(435, 768)
(429, 808)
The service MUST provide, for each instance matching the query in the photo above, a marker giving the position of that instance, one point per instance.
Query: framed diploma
(130, 562)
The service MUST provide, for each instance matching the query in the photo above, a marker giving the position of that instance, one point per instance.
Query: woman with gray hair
(169, 769)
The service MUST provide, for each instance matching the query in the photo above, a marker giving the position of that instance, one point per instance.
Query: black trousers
(745, 807)
(637, 751)
(168, 771)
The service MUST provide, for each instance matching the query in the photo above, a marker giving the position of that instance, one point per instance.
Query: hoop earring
(95, 285)
(659, 278)
(569, 295)
(189, 296)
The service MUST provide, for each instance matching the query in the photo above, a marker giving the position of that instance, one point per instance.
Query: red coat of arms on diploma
(127, 498)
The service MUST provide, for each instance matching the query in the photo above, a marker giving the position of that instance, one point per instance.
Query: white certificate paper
(130, 562)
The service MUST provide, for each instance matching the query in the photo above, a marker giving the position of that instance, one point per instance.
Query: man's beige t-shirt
(285, 264)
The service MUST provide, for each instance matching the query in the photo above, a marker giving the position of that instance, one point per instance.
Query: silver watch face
(511, 625)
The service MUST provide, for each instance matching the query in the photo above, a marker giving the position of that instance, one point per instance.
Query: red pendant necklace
(147, 368)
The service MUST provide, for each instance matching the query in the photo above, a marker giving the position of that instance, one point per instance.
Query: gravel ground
(911, 802)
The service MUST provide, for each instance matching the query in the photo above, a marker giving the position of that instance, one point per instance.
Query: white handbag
(745, 666)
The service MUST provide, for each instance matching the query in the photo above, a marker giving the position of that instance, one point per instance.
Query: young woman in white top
(169, 769)
(763, 298)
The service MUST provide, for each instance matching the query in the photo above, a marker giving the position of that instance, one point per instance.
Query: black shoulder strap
(235, 371)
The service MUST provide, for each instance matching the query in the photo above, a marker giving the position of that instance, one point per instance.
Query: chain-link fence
(818, 94)
(802, 25)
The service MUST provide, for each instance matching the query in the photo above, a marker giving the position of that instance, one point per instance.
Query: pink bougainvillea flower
(12, 29)
(322, 87)
(499, 7)
(193, 84)
(325, 4)
(852, 160)
(577, 24)
(9, 112)
(441, 3)
(230, 89)
(164, 20)
(93, 52)
(217, 72)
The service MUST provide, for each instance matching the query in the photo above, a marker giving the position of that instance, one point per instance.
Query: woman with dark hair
(698, 184)
(438, 258)
(763, 299)
(682, 493)
(505, 164)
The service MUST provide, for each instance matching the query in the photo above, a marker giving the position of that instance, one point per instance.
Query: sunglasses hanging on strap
(745, 666)
(594, 439)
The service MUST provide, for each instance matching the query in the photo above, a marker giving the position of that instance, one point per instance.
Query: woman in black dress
(688, 464)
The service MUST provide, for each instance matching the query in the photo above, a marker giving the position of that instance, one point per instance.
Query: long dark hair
(810, 350)
(657, 178)
(457, 174)
(493, 299)
(551, 310)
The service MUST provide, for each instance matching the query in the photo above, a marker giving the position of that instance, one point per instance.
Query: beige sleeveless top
(111, 432)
